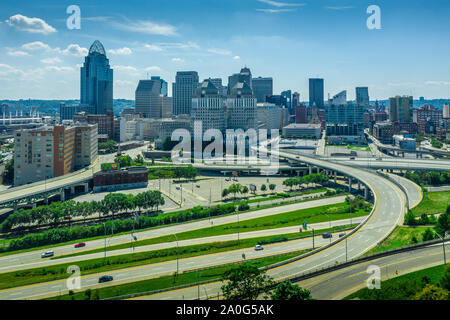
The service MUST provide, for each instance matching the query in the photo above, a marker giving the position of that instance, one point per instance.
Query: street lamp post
(443, 245)
(313, 237)
(177, 253)
(104, 225)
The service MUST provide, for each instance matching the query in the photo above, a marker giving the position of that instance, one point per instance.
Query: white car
(259, 247)
(47, 254)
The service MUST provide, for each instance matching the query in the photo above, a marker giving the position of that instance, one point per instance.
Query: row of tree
(59, 235)
(57, 212)
(316, 178)
(429, 177)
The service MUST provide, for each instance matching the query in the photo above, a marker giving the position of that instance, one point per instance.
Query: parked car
(47, 254)
(105, 279)
(80, 245)
(259, 247)
(327, 235)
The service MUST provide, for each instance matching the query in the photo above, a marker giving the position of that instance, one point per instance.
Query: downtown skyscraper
(362, 97)
(97, 81)
(184, 88)
(316, 93)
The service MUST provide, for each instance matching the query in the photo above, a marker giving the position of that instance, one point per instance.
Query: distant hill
(51, 107)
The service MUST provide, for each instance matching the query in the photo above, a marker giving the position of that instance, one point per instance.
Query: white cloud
(148, 27)
(178, 45)
(236, 58)
(437, 83)
(153, 69)
(222, 52)
(177, 60)
(59, 69)
(124, 83)
(6, 70)
(75, 50)
(37, 45)
(339, 8)
(125, 68)
(153, 47)
(32, 25)
(281, 4)
(51, 60)
(121, 51)
(275, 10)
(18, 53)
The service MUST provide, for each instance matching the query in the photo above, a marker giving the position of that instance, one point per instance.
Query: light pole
(177, 253)
(313, 237)
(329, 220)
(443, 245)
(346, 251)
(238, 226)
(104, 225)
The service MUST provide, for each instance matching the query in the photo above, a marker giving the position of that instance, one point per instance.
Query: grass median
(293, 218)
(167, 282)
(433, 202)
(92, 266)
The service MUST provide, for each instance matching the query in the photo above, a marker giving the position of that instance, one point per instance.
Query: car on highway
(259, 247)
(47, 254)
(178, 188)
(80, 245)
(197, 186)
(105, 279)
(342, 235)
(327, 235)
(352, 158)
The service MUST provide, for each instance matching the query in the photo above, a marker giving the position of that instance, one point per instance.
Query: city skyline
(41, 57)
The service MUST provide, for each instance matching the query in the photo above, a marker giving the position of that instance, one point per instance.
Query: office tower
(270, 116)
(300, 114)
(104, 122)
(339, 100)
(362, 97)
(164, 88)
(279, 100)
(244, 76)
(446, 111)
(208, 106)
(184, 88)
(262, 88)
(316, 93)
(97, 80)
(295, 100)
(288, 96)
(241, 108)
(53, 151)
(345, 119)
(148, 101)
(400, 109)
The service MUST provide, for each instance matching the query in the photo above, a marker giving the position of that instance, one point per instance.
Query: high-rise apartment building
(104, 122)
(316, 93)
(53, 151)
(362, 96)
(97, 80)
(184, 88)
(262, 88)
(208, 106)
(241, 108)
(427, 118)
(400, 109)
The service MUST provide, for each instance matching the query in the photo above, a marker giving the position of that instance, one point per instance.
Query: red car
(80, 245)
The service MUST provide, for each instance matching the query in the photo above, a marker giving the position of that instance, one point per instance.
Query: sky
(289, 40)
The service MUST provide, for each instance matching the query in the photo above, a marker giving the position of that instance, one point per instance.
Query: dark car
(80, 245)
(105, 279)
(327, 235)
(342, 235)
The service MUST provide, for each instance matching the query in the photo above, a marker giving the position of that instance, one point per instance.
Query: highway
(33, 258)
(337, 284)
(160, 269)
(390, 204)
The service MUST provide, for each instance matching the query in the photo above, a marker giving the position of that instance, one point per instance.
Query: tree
(432, 292)
(139, 159)
(427, 235)
(245, 282)
(8, 173)
(443, 224)
(410, 219)
(287, 291)
(445, 281)
(124, 161)
(263, 188)
(272, 186)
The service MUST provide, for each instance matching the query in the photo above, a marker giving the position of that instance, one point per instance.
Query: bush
(243, 207)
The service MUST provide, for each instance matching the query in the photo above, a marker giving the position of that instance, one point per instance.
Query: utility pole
(443, 246)
(313, 237)
(177, 253)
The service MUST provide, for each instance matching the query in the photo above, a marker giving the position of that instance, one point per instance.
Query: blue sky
(289, 40)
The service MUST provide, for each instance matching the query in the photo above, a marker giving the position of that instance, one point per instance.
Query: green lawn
(287, 219)
(401, 288)
(433, 202)
(169, 281)
(401, 236)
(58, 272)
